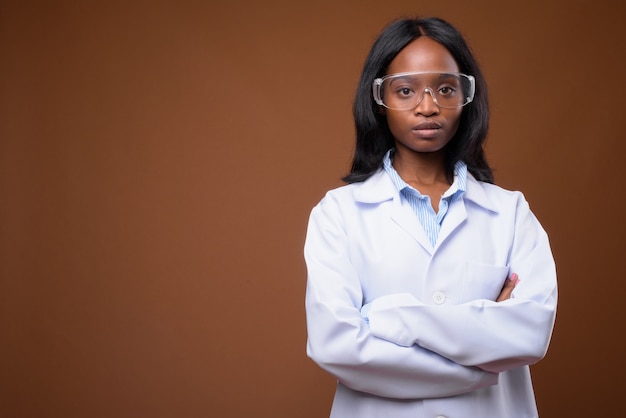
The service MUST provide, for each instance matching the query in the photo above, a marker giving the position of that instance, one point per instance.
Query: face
(427, 128)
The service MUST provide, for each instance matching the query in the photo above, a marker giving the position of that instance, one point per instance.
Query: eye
(447, 90)
(404, 91)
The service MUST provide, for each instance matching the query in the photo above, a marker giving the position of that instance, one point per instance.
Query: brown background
(159, 159)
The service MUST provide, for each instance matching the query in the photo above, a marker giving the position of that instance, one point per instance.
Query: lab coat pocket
(483, 281)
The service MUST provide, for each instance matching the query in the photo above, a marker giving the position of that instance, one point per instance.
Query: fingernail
(515, 278)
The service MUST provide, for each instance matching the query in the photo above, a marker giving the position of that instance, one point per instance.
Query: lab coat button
(439, 298)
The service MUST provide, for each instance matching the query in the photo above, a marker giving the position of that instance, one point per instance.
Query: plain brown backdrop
(159, 159)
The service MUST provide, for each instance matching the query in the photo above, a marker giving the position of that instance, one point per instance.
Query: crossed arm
(412, 350)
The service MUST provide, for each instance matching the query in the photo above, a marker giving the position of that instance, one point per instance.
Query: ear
(382, 110)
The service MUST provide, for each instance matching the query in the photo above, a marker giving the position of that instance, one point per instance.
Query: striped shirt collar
(458, 186)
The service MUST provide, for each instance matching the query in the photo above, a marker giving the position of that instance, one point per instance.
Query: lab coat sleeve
(483, 333)
(340, 341)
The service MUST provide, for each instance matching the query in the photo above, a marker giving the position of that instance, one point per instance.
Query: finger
(507, 289)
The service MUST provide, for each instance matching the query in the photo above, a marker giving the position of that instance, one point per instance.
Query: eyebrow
(403, 77)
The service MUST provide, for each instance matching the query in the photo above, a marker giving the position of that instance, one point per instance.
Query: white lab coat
(437, 345)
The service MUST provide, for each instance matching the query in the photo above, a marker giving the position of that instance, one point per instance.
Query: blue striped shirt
(421, 204)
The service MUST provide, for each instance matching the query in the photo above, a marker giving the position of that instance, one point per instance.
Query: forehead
(423, 54)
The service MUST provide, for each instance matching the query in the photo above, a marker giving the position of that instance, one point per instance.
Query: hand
(507, 289)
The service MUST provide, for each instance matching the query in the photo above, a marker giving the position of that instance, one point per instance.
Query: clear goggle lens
(405, 91)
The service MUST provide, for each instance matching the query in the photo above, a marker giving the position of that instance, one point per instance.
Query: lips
(427, 126)
(427, 129)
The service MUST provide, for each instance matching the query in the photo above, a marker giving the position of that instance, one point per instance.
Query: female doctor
(413, 300)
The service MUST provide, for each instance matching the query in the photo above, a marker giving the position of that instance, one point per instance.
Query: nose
(427, 104)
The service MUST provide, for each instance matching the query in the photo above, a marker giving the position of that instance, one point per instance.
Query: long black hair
(373, 137)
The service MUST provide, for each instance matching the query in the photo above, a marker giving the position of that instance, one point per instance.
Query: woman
(413, 298)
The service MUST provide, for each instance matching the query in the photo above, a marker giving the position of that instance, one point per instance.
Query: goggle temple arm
(376, 91)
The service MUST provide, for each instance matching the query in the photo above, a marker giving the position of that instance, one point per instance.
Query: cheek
(454, 121)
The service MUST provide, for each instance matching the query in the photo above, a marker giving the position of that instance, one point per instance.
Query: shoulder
(350, 200)
(497, 191)
(375, 189)
(492, 196)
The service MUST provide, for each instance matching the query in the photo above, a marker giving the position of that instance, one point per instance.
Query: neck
(421, 168)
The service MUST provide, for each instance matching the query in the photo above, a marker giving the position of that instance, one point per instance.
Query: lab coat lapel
(457, 214)
(403, 215)
(380, 188)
